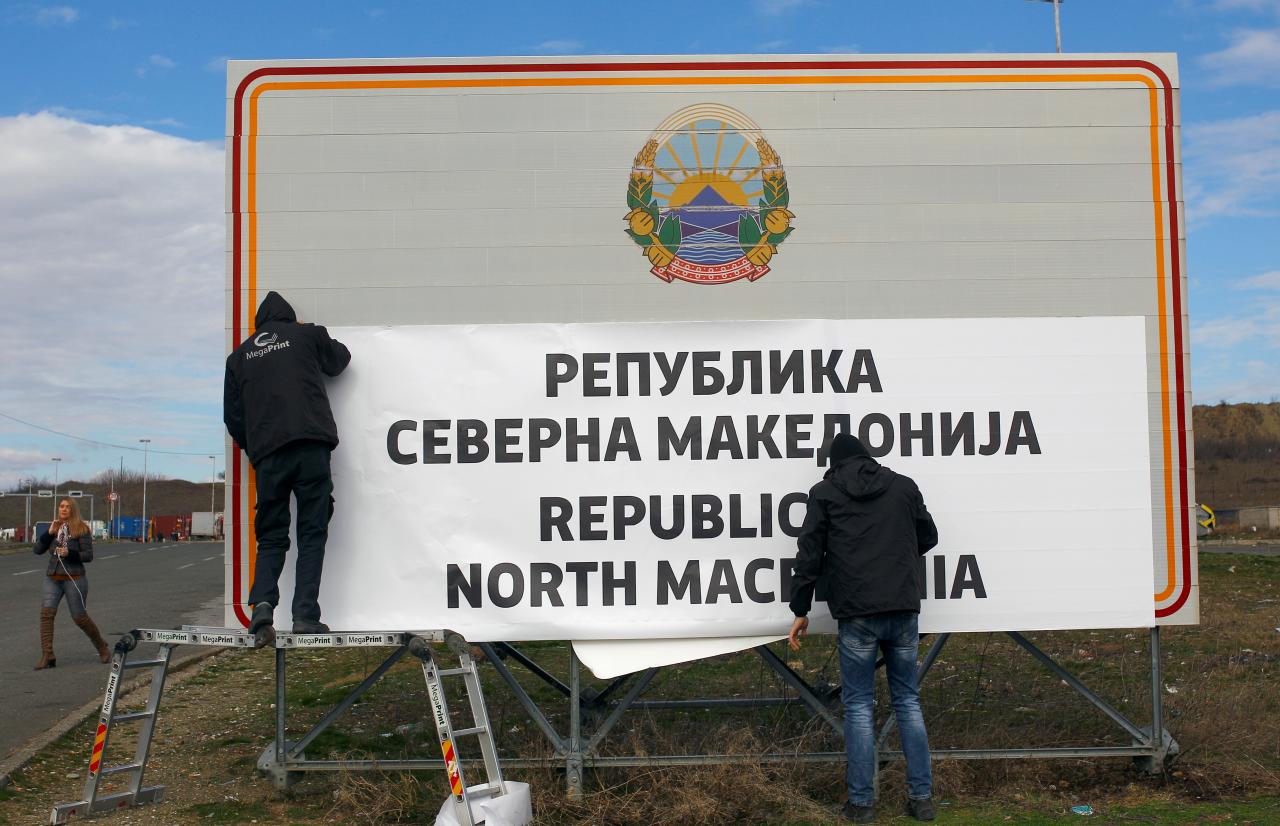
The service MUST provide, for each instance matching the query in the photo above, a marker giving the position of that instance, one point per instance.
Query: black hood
(861, 478)
(274, 308)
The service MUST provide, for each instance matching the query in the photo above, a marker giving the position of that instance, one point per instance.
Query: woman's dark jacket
(79, 551)
(864, 532)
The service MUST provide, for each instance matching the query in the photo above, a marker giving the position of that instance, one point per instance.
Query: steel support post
(573, 759)
(281, 697)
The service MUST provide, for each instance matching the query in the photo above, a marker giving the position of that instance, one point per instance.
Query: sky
(112, 229)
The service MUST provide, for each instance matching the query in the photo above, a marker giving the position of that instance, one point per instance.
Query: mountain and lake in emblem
(708, 197)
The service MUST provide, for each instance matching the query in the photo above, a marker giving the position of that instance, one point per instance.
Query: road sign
(112, 496)
(76, 493)
(44, 494)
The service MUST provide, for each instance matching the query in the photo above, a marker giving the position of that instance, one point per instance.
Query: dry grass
(1219, 690)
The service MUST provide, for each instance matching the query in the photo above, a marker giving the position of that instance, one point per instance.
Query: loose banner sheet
(647, 480)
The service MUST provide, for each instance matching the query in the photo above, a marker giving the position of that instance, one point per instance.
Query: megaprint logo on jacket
(708, 197)
(266, 342)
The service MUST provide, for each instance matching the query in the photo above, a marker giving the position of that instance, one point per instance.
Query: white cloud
(774, 8)
(55, 16)
(1253, 58)
(847, 48)
(17, 463)
(217, 64)
(773, 45)
(560, 46)
(1232, 167)
(161, 62)
(1266, 281)
(1257, 6)
(113, 264)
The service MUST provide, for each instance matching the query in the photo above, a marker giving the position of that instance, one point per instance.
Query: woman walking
(69, 543)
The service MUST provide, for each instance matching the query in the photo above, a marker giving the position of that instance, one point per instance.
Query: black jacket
(864, 532)
(79, 551)
(274, 390)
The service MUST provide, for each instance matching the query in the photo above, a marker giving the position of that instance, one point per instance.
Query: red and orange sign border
(1178, 532)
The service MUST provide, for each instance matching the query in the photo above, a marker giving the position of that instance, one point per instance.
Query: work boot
(260, 625)
(921, 809)
(47, 660)
(859, 814)
(91, 631)
(309, 627)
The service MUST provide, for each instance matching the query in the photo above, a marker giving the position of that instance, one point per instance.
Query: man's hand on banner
(798, 629)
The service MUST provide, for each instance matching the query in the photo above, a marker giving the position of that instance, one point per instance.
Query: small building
(1265, 516)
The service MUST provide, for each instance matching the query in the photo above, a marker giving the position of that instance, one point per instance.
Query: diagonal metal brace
(1070, 679)
(802, 688)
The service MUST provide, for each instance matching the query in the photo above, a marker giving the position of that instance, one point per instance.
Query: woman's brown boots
(91, 631)
(47, 659)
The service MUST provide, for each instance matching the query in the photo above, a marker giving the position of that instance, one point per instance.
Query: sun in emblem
(708, 197)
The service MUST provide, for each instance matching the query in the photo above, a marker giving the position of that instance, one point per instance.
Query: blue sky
(111, 169)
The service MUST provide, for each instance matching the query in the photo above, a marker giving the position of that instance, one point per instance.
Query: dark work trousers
(302, 469)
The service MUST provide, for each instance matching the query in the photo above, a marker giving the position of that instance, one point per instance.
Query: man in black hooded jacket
(276, 408)
(864, 532)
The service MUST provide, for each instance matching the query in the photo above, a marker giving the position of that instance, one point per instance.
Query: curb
(179, 673)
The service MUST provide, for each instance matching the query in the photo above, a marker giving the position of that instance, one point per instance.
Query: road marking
(131, 553)
(211, 558)
(32, 571)
(109, 556)
(188, 565)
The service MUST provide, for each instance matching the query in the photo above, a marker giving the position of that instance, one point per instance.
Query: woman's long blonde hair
(75, 525)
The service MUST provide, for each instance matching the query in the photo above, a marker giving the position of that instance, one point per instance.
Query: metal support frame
(579, 752)
(285, 761)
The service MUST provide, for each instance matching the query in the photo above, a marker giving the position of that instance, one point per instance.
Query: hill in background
(165, 497)
(1237, 454)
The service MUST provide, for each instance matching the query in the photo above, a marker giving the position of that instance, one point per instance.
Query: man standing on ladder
(863, 533)
(276, 408)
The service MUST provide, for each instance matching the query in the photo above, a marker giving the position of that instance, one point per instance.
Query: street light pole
(56, 461)
(26, 529)
(1057, 23)
(213, 484)
(146, 446)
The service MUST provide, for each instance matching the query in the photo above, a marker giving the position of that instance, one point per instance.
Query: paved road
(132, 586)
(1259, 549)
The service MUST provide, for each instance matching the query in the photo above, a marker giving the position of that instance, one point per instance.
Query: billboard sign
(672, 279)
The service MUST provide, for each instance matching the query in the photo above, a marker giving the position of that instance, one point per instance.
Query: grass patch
(230, 812)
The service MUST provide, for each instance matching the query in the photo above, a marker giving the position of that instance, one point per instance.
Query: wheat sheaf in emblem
(708, 197)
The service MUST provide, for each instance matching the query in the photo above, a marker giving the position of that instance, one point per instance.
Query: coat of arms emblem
(708, 197)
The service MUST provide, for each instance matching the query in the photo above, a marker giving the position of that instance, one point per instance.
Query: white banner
(646, 480)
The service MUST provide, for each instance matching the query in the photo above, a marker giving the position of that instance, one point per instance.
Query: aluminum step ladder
(461, 796)
(136, 793)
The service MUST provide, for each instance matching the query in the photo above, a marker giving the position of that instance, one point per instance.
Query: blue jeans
(897, 633)
(75, 590)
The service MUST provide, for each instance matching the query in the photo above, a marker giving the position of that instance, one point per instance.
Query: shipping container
(206, 524)
(168, 527)
(127, 527)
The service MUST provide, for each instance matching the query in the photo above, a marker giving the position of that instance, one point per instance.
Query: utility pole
(213, 484)
(56, 461)
(146, 446)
